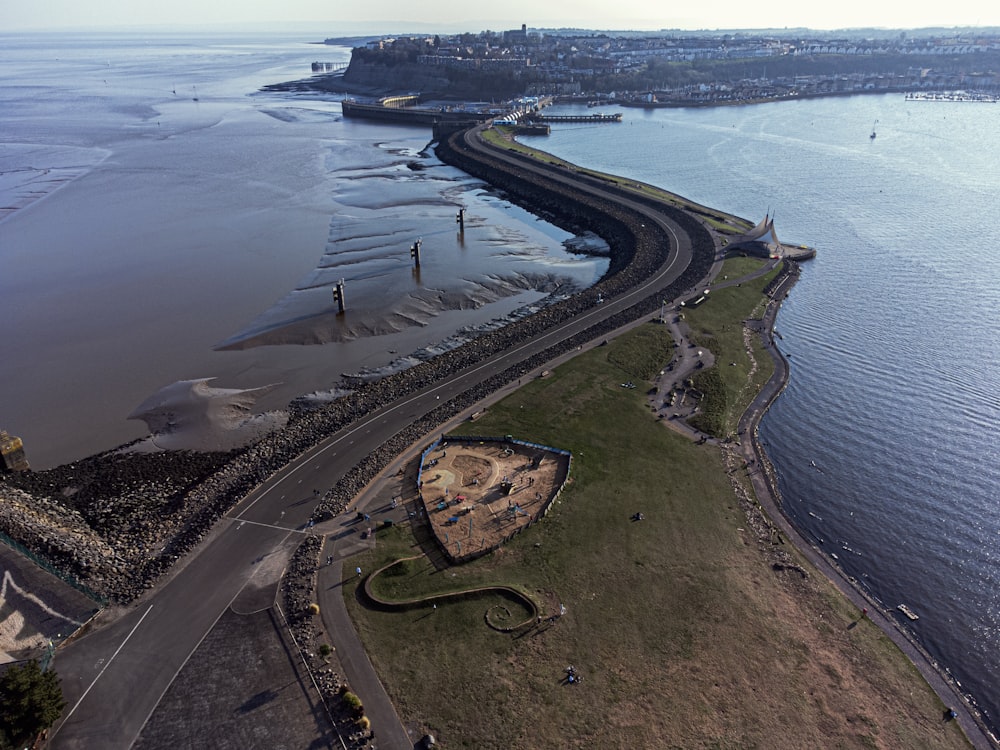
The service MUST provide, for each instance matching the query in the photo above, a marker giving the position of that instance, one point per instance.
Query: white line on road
(272, 526)
(108, 664)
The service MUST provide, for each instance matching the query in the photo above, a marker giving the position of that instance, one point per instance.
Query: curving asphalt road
(114, 677)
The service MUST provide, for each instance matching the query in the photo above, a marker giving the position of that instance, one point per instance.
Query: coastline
(768, 495)
(335, 84)
(379, 422)
(772, 395)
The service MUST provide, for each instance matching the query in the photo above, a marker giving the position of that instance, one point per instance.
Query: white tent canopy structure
(763, 240)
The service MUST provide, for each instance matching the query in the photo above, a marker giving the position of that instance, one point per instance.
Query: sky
(333, 17)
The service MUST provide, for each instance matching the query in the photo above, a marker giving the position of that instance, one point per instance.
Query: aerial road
(114, 677)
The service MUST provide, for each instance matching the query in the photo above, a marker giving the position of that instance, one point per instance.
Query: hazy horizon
(393, 16)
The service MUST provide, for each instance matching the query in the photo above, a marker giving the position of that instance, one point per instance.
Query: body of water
(887, 438)
(162, 223)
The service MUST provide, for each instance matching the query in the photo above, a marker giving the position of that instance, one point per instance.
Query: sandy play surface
(478, 494)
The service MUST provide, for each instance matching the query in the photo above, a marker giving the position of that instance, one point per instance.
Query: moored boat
(908, 612)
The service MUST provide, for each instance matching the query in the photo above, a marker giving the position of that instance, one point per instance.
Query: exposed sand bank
(192, 415)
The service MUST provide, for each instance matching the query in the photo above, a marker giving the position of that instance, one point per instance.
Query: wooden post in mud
(415, 253)
(338, 294)
(460, 218)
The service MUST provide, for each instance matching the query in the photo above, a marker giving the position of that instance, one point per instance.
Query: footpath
(345, 540)
(761, 475)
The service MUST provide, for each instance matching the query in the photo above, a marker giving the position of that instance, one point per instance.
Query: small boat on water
(908, 612)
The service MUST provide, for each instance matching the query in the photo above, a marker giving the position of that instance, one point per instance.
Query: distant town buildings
(690, 67)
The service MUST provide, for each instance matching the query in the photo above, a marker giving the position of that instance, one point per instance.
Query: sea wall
(167, 502)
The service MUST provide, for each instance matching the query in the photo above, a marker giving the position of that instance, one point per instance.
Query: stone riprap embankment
(298, 586)
(150, 509)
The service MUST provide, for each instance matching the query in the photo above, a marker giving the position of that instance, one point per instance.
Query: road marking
(198, 645)
(108, 664)
(272, 526)
(556, 333)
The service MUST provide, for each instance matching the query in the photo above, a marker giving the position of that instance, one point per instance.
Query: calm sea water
(887, 439)
(154, 208)
(162, 220)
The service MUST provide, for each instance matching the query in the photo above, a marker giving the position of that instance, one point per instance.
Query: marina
(952, 96)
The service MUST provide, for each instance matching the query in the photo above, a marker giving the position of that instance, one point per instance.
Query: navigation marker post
(338, 294)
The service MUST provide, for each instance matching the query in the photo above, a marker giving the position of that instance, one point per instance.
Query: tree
(30, 702)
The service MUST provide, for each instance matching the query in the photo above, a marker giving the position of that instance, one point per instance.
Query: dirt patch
(477, 494)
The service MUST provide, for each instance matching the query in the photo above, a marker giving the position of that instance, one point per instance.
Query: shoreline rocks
(151, 509)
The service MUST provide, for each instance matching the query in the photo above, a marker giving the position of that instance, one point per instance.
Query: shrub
(30, 701)
(402, 568)
(353, 702)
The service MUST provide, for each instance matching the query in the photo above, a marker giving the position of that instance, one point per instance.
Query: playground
(477, 494)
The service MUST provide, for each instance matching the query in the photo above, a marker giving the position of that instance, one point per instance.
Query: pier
(616, 117)
(401, 109)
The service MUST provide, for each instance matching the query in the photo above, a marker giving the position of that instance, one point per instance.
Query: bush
(30, 702)
(353, 702)
(402, 568)
(325, 649)
(313, 609)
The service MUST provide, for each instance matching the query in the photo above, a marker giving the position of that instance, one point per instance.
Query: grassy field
(717, 325)
(683, 633)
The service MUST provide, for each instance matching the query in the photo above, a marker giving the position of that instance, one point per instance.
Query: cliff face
(396, 78)
(400, 74)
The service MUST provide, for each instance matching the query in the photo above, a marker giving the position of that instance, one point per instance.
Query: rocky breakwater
(56, 533)
(100, 521)
(303, 617)
(150, 509)
(580, 201)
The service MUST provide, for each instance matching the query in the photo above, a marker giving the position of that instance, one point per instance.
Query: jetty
(600, 117)
(405, 110)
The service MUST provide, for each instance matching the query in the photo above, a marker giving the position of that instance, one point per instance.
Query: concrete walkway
(357, 668)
